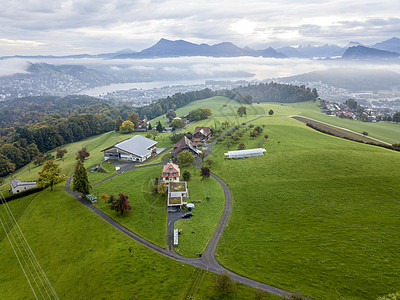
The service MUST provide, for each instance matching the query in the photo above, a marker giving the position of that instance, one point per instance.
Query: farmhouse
(201, 134)
(18, 186)
(171, 172)
(136, 148)
(186, 145)
(245, 153)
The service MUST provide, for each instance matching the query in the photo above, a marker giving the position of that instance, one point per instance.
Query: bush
(224, 285)
(186, 175)
(23, 194)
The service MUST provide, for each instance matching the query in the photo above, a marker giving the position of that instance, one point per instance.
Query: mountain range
(167, 48)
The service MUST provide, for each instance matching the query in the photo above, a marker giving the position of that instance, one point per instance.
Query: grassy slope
(148, 216)
(216, 106)
(317, 213)
(385, 131)
(197, 231)
(61, 231)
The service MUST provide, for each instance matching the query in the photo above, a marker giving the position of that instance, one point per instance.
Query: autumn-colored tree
(266, 136)
(121, 204)
(177, 123)
(80, 182)
(50, 175)
(162, 188)
(82, 154)
(127, 127)
(185, 158)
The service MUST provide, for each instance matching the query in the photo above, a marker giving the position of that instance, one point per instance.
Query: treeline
(178, 100)
(274, 92)
(28, 142)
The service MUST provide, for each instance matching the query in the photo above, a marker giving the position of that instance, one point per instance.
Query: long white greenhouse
(245, 153)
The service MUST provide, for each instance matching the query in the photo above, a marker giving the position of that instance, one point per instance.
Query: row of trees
(274, 92)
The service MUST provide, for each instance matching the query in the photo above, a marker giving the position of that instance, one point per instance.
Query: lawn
(316, 213)
(148, 217)
(197, 231)
(96, 176)
(220, 107)
(61, 233)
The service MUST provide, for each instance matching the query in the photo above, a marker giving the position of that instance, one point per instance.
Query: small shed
(18, 186)
(245, 153)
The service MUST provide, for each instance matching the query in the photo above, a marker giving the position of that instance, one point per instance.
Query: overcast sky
(97, 26)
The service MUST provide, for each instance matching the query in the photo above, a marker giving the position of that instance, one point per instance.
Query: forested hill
(276, 92)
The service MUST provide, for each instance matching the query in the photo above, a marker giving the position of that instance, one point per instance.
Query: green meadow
(220, 107)
(316, 213)
(198, 230)
(148, 217)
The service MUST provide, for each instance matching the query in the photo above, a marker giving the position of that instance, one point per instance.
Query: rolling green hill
(316, 214)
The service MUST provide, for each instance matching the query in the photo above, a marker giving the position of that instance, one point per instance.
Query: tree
(82, 154)
(253, 134)
(271, 112)
(185, 158)
(159, 127)
(118, 123)
(205, 172)
(134, 118)
(162, 188)
(39, 159)
(242, 111)
(50, 175)
(186, 175)
(266, 136)
(80, 182)
(177, 123)
(351, 103)
(209, 161)
(224, 285)
(127, 127)
(364, 133)
(61, 152)
(241, 146)
(6, 166)
(396, 117)
(170, 114)
(121, 204)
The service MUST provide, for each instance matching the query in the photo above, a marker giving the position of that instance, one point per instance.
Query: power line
(44, 286)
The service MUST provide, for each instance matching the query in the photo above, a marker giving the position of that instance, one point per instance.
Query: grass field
(220, 107)
(61, 232)
(385, 131)
(316, 213)
(197, 231)
(148, 217)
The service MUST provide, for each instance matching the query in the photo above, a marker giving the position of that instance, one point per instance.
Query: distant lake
(102, 90)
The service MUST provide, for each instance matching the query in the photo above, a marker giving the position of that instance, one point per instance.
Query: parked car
(187, 215)
(91, 198)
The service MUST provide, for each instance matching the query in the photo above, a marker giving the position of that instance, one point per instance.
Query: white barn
(245, 153)
(136, 148)
(18, 186)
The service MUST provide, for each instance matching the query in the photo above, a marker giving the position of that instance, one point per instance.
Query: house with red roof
(171, 173)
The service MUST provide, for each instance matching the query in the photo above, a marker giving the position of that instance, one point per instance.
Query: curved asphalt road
(208, 260)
